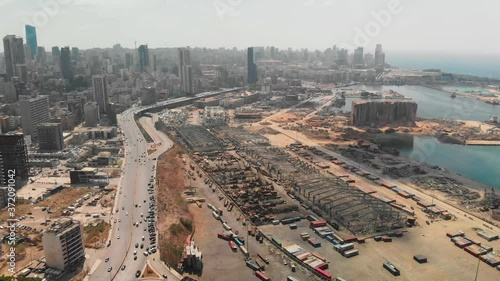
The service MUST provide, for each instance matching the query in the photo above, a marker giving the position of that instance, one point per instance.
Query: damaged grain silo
(384, 113)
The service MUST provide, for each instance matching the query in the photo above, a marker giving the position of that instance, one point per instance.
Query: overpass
(178, 102)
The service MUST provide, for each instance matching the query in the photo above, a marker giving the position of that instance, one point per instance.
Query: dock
(483, 142)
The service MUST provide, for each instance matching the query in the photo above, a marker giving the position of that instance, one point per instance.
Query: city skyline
(403, 25)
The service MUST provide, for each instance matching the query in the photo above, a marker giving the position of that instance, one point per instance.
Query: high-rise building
(91, 112)
(63, 244)
(185, 70)
(76, 103)
(56, 52)
(14, 53)
(13, 157)
(251, 67)
(27, 53)
(379, 58)
(41, 55)
(143, 57)
(65, 63)
(34, 111)
(358, 59)
(100, 92)
(31, 40)
(50, 137)
(129, 60)
(342, 55)
(75, 52)
(22, 72)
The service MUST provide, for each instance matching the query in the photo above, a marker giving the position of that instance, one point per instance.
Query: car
(135, 252)
(164, 275)
(106, 260)
(142, 246)
(135, 258)
(119, 220)
(138, 273)
(126, 213)
(123, 267)
(123, 208)
(136, 245)
(110, 268)
(143, 238)
(114, 221)
(118, 237)
(146, 253)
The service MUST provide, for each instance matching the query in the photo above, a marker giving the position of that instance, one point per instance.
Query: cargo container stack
(192, 258)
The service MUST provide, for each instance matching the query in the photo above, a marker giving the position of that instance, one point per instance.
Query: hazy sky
(421, 25)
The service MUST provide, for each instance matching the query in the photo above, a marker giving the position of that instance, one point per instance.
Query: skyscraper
(33, 112)
(56, 52)
(379, 58)
(251, 67)
(31, 39)
(14, 53)
(358, 57)
(41, 56)
(185, 71)
(65, 63)
(75, 52)
(100, 91)
(129, 60)
(13, 156)
(342, 55)
(143, 57)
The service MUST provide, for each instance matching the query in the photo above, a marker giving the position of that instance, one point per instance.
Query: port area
(220, 262)
(428, 237)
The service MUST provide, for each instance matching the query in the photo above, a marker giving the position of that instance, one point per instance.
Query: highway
(138, 170)
(132, 190)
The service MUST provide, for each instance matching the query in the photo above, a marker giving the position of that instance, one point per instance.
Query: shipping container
(215, 215)
(276, 241)
(391, 268)
(420, 258)
(324, 273)
(351, 253)
(261, 276)
(244, 251)
(223, 236)
(315, 224)
(252, 265)
(312, 218)
(263, 258)
(238, 242)
(314, 242)
(233, 246)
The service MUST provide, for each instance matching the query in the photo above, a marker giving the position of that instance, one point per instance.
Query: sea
(481, 65)
(479, 163)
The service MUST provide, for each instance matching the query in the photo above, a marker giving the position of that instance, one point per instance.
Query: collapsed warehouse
(247, 175)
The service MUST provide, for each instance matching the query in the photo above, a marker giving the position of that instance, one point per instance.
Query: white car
(118, 237)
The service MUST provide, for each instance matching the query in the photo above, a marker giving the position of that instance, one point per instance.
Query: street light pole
(477, 269)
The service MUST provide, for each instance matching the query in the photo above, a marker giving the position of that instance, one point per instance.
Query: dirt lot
(172, 206)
